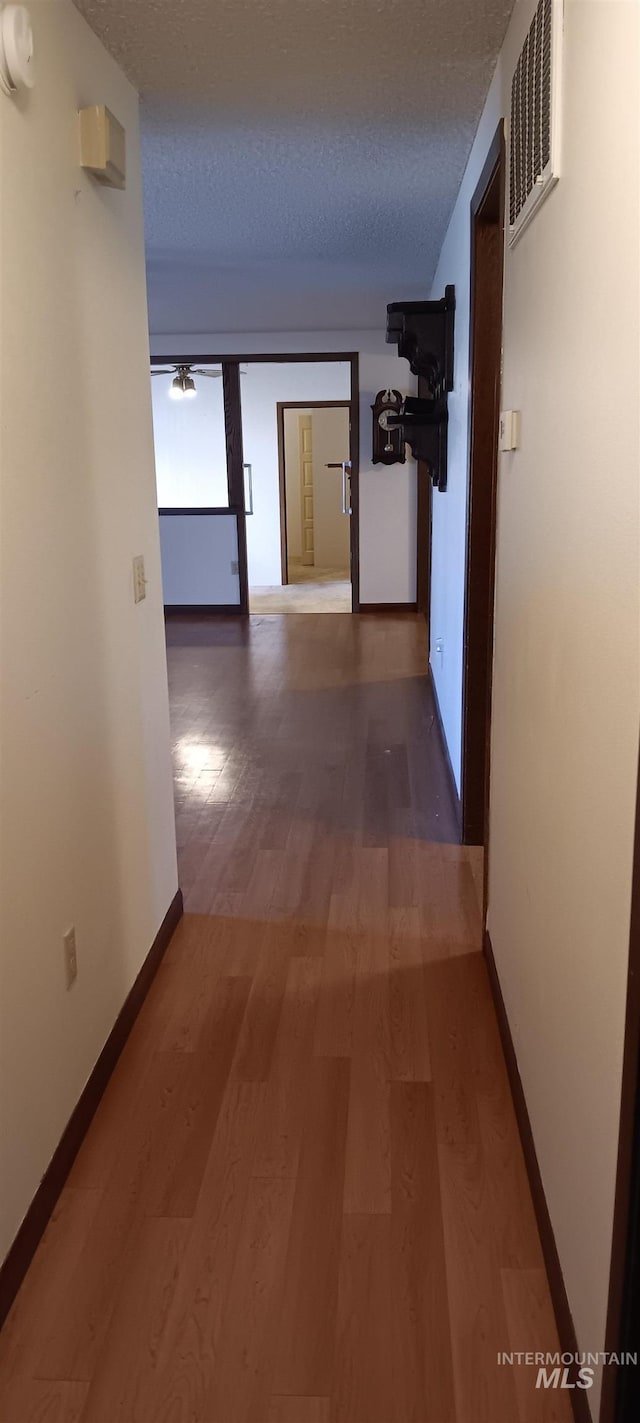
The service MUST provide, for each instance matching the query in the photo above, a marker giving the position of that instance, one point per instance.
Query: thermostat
(16, 49)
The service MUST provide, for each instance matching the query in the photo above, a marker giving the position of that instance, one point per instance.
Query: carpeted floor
(311, 590)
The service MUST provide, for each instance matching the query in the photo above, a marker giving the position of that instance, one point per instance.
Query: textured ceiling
(301, 157)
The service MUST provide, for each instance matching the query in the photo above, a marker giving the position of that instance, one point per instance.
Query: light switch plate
(509, 430)
(139, 580)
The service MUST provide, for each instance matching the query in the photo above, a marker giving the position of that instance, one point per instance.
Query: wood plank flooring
(303, 1197)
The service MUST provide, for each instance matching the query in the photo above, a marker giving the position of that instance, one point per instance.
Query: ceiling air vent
(535, 117)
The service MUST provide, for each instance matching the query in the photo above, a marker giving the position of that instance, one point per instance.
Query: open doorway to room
(487, 262)
(314, 481)
(299, 433)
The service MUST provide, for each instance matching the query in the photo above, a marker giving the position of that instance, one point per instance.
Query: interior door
(332, 489)
(305, 435)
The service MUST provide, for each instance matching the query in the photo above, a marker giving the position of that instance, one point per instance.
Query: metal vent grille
(534, 120)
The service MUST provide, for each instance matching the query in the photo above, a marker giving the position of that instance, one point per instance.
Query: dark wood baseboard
(204, 610)
(388, 608)
(18, 1260)
(447, 758)
(562, 1311)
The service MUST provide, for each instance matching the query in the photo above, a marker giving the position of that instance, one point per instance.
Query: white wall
(565, 692)
(197, 553)
(387, 495)
(87, 811)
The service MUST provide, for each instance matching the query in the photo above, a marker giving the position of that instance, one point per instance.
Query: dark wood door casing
(487, 263)
(235, 469)
(281, 406)
(621, 1386)
(424, 517)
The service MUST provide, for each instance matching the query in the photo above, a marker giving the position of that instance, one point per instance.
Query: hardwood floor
(303, 1197)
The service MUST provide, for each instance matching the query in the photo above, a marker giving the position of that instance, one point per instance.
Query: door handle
(346, 486)
(345, 466)
(248, 471)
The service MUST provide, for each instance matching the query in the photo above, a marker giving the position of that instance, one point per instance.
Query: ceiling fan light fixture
(183, 385)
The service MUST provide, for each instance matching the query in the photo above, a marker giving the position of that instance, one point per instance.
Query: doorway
(219, 505)
(289, 434)
(487, 262)
(315, 503)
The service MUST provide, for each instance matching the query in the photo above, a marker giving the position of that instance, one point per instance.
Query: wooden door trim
(354, 456)
(616, 1406)
(424, 522)
(282, 494)
(281, 406)
(235, 469)
(192, 510)
(481, 513)
(268, 358)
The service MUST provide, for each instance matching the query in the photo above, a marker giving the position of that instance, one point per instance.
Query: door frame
(235, 456)
(484, 419)
(424, 531)
(281, 406)
(621, 1386)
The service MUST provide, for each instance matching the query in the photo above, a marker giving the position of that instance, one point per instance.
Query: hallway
(303, 1197)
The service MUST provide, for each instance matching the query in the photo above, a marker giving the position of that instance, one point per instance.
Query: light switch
(139, 580)
(509, 430)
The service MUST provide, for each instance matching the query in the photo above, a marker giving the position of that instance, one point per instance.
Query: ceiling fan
(183, 384)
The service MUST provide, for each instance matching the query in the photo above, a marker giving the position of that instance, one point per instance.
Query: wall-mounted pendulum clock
(388, 441)
(423, 331)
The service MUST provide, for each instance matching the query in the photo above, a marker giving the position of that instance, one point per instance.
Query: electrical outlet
(70, 956)
(235, 566)
(139, 580)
